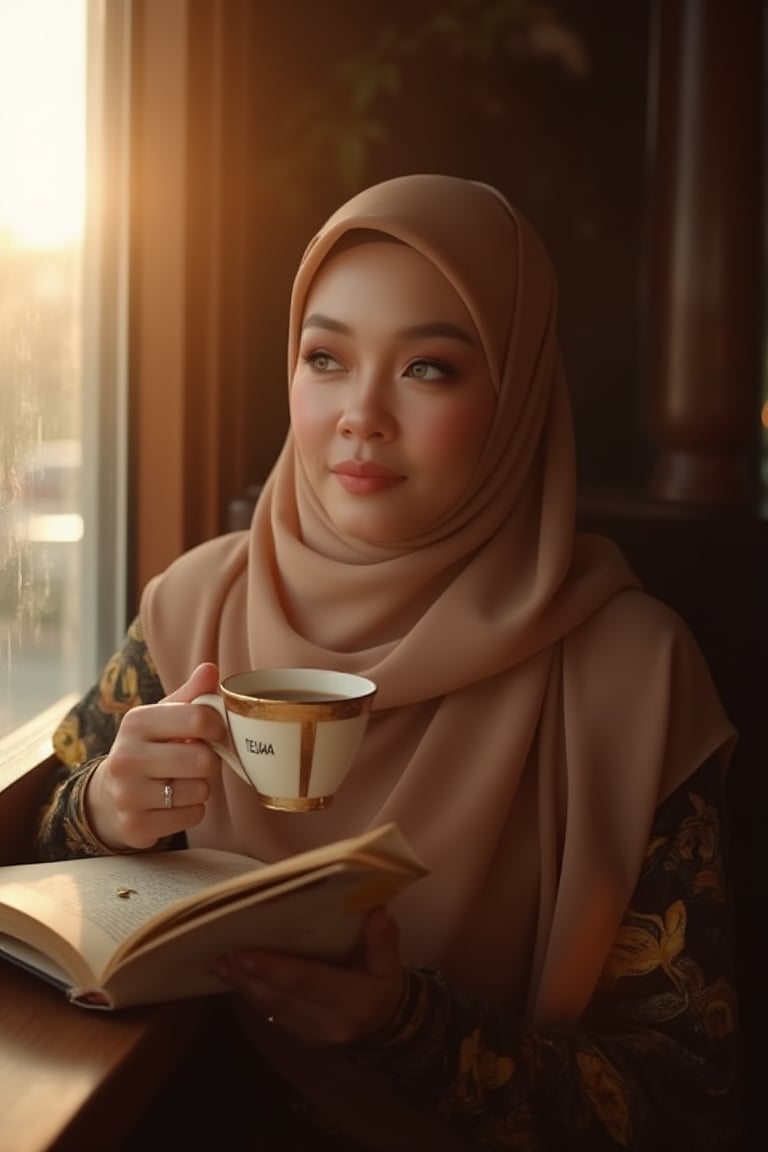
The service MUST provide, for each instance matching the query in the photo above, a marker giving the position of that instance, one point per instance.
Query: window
(60, 378)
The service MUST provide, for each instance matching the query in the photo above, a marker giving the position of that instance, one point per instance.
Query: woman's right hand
(158, 744)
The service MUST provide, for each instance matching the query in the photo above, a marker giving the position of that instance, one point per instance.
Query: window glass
(46, 538)
(764, 410)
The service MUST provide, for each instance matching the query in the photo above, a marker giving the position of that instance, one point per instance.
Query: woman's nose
(367, 416)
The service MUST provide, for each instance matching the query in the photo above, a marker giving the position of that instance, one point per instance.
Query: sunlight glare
(56, 528)
(42, 121)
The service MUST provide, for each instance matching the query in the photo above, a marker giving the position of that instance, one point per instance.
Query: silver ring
(167, 794)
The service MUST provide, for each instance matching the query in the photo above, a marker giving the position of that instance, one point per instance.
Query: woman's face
(391, 399)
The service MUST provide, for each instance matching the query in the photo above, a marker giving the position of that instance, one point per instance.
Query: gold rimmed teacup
(294, 731)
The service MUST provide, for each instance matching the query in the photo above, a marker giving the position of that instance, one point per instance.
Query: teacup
(294, 731)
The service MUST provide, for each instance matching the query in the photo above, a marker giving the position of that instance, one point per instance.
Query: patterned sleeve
(654, 1062)
(84, 737)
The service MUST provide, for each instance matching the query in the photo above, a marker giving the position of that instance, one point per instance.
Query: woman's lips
(361, 478)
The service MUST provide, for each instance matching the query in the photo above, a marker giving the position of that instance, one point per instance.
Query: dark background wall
(551, 110)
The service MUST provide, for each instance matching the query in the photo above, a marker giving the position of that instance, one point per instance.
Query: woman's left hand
(321, 1003)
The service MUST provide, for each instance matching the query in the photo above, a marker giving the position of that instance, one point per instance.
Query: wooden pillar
(190, 252)
(707, 253)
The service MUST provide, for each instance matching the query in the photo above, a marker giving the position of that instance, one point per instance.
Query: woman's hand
(323, 1003)
(157, 744)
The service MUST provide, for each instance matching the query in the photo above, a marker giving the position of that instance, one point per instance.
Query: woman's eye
(322, 361)
(429, 370)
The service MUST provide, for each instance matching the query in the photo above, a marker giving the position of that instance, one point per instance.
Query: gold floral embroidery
(709, 881)
(480, 1071)
(717, 1005)
(698, 836)
(604, 1090)
(698, 843)
(119, 686)
(514, 1132)
(646, 942)
(135, 631)
(67, 743)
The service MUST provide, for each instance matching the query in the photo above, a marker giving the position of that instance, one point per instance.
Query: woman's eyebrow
(317, 320)
(415, 331)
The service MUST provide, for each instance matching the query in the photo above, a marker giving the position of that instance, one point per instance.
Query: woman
(546, 734)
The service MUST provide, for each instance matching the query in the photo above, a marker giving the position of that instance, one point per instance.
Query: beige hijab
(534, 705)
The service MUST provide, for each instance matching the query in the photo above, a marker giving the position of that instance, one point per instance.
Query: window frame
(164, 300)
(189, 258)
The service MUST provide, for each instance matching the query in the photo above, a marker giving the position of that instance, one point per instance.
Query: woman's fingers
(153, 724)
(157, 807)
(323, 1003)
(205, 678)
(131, 762)
(158, 775)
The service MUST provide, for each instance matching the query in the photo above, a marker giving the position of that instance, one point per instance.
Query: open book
(120, 931)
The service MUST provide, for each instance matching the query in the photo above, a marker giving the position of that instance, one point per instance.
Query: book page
(316, 914)
(90, 906)
(35, 961)
(103, 907)
(379, 851)
(382, 849)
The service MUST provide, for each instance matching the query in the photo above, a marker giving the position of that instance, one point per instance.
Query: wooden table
(71, 1080)
(74, 1080)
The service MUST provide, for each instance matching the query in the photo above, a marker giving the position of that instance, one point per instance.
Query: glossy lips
(361, 477)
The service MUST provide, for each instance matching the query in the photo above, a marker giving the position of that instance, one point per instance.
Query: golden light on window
(42, 121)
(764, 415)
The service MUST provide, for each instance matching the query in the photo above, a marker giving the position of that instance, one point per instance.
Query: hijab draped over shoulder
(535, 706)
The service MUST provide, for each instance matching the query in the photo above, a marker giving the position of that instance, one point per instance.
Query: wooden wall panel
(189, 266)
